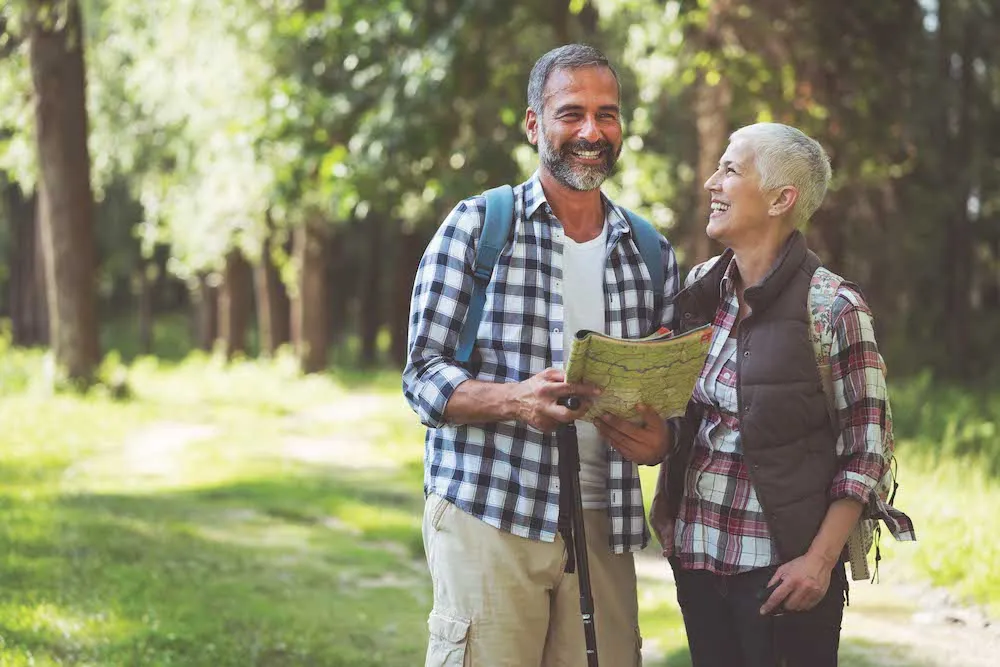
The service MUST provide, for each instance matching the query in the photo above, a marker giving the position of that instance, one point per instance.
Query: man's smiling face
(579, 135)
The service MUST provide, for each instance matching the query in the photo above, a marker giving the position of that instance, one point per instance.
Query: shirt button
(688, 316)
(747, 353)
(556, 330)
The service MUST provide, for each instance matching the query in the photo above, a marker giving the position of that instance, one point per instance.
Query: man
(763, 490)
(491, 522)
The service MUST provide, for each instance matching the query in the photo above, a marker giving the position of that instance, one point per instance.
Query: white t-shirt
(583, 308)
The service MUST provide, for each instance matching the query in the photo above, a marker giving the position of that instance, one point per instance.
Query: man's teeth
(590, 155)
(719, 206)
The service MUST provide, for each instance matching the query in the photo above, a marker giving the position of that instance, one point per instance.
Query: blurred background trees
(251, 173)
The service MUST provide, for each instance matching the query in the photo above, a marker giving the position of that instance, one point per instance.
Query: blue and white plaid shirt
(506, 473)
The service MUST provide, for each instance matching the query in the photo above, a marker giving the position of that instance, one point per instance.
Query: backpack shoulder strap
(699, 270)
(647, 239)
(822, 292)
(492, 238)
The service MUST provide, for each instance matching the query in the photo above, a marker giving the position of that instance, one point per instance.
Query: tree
(65, 199)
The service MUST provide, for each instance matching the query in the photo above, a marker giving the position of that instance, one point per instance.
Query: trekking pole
(569, 456)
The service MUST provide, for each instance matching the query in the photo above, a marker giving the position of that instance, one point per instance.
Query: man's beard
(573, 175)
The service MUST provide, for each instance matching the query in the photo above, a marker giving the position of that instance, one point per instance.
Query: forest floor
(243, 515)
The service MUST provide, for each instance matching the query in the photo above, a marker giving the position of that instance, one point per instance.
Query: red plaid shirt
(721, 526)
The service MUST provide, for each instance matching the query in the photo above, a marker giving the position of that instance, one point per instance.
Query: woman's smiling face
(739, 208)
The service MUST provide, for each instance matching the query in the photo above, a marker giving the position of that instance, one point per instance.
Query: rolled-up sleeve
(859, 390)
(441, 294)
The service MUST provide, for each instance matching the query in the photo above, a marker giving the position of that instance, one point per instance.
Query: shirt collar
(534, 198)
(728, 283)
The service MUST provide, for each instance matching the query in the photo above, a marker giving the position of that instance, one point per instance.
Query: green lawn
(243, 515)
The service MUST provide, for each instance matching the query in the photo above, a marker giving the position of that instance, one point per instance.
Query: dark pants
(725, 629)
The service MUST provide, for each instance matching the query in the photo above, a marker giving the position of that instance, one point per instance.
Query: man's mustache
(602, 145)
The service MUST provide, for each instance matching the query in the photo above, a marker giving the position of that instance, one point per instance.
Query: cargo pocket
(449, 638)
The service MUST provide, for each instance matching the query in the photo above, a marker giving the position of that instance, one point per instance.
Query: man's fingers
(553, 375)
(575, 389)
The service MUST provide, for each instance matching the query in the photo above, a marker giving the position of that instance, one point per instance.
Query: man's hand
(535, 399)
(803, 583)
(647, 443)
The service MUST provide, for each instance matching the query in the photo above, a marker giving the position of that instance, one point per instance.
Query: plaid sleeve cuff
(439, 382)
(854, 485)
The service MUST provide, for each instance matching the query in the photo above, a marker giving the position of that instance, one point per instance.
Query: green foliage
(214, 123)
(949, 422)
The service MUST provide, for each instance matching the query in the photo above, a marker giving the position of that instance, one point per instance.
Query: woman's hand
(647, 443)
(803, 582)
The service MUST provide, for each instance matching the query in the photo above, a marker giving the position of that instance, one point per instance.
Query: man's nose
(590, 131)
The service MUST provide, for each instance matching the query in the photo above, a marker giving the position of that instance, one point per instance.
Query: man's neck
(580, 212)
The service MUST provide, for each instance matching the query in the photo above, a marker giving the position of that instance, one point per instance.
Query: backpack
(493, 238)
(822, 291)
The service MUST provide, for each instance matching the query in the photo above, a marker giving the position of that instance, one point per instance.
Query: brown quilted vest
(785, 433)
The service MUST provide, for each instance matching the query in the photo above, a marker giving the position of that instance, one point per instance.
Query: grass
(238, 515)
(250, 544)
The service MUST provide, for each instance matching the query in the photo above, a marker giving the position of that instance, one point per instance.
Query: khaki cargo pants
(505, 601)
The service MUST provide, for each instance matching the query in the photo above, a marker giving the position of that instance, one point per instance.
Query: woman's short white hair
(783, 156)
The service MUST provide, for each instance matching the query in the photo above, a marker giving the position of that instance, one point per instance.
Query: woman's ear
(783, 201)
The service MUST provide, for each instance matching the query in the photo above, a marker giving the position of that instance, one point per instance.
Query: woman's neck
(754, 260)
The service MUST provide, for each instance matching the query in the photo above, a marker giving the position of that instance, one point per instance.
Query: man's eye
(730, 170)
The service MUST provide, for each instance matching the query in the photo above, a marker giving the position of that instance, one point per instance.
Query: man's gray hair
(783, 156)
(570, 56)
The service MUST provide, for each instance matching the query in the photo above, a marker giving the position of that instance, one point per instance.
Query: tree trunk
(958, 257)
(28, 312)
(66, 204)
(206, 300)
(340, 279)
(711, 112)
(235, 304)
(371, 292)
(410, 249)
(273, 312)
(145, 298)
(309, 306)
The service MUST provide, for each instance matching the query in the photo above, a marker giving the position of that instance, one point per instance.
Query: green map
(659, 371)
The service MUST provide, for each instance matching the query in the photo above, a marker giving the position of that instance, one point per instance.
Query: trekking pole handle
(569, 402)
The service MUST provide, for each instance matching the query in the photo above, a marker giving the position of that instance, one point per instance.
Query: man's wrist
(511, 404)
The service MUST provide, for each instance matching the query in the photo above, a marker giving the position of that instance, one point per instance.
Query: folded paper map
(659, 370)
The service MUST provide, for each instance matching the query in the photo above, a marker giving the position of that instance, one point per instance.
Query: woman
(761, 492)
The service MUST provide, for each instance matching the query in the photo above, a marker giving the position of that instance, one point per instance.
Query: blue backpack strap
(492, 239)
(647, 239)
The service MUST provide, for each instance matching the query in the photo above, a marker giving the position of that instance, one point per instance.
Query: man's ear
(531, 126)
(783, 201)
